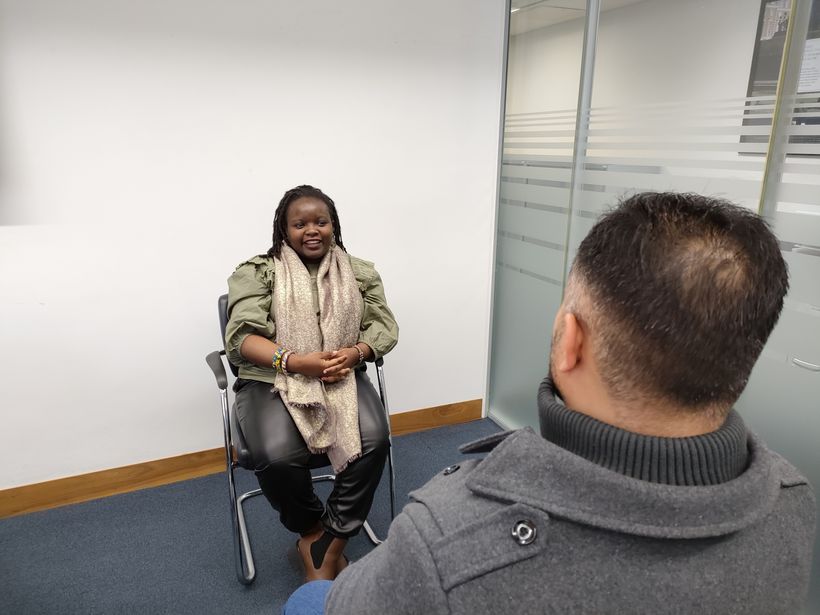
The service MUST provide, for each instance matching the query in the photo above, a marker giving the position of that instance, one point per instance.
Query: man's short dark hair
(684, 291)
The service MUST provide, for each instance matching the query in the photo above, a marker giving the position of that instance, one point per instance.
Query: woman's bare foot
(321, 553)
(341, 563)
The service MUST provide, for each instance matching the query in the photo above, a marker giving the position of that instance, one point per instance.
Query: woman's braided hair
(280, 218)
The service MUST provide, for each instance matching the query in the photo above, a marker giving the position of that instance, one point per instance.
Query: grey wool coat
(533, 528)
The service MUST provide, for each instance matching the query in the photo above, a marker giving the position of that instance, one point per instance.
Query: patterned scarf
(326, 414)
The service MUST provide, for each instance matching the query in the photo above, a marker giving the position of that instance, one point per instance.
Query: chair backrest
(223, 324)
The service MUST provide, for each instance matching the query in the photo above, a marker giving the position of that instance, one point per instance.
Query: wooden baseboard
(437, 416)
(75, 489)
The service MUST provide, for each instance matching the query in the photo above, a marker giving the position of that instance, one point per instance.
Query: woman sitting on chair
(301, 319)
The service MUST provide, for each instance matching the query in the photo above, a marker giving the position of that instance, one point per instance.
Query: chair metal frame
(243, 553)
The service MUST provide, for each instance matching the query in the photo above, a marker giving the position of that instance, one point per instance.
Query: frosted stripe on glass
(550, 245)
(805, 129)
(543, 261)
(540, 133)
(534, 172)
(539, 145)
(596, 202)
(792, 167)
(618, 182)
(798, 228)
(800, 193)
(536, 159)
(544, 225)
(530, 274)
(544, 195)
(661, 132)
(758, 148)
(803, 280)
(756, 164)
(802, 149)
(538, 206)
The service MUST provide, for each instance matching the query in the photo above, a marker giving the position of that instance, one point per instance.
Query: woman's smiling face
(310, 229)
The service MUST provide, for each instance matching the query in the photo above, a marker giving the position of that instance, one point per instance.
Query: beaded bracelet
(361, 354)
(277, 359)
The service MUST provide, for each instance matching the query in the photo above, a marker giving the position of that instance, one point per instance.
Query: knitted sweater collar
(708, 459)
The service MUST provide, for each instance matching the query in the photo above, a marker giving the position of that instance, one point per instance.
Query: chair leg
(245, 568)
(392, 477)
(243, 556)
(383, 396)
(371, 534)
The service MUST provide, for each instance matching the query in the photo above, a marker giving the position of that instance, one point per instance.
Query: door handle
(806, 365)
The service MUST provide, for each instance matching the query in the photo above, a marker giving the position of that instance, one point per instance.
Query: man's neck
(642, 416)
(674, 458)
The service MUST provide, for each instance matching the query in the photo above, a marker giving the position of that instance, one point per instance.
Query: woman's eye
(299, 225)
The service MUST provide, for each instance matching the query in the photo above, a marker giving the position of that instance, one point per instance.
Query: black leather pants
(282, 460)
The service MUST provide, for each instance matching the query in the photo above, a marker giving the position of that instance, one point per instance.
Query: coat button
(450, 469)
(524, 532)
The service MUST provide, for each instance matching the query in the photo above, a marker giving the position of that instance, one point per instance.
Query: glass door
(782, 399)
(545, 46)
(613, 97)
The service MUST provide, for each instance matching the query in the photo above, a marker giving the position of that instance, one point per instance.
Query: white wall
(143, 148)
(675, 50)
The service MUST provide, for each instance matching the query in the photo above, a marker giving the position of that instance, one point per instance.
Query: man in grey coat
(644, 492)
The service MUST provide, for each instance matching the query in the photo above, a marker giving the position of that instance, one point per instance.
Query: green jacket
(249, 302)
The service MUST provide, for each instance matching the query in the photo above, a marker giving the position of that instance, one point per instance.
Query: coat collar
(525, 468)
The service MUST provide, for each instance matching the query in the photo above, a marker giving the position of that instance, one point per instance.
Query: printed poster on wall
(810, 69)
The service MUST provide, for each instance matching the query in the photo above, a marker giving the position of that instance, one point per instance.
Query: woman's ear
(569, 343)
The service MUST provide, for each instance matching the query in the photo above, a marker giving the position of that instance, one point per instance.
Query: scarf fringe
(307, 405)
(318, 450)
(347, 463)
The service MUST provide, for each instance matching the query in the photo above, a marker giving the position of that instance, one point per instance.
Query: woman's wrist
(294, 365)
(365, 351)
(359, 355)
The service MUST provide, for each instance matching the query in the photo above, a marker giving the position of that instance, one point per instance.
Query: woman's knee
(268, 429)
(378, 447)
(283, 456)
(376, 438)
(274, 466)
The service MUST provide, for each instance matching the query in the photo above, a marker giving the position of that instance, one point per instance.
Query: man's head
(669, 301)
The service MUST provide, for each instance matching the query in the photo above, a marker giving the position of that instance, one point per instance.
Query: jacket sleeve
(249, 301)
(379, 329)
(399, 576)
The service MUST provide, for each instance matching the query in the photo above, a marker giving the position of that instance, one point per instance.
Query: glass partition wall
(606, 98)
(543, 71)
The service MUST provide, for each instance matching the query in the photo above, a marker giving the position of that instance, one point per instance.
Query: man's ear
(569, 347)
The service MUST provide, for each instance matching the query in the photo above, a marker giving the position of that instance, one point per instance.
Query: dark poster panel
(766, 60)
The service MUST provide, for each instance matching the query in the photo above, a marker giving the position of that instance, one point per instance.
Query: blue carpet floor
(169, 549)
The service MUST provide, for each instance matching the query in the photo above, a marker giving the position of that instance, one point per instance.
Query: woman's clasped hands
(328, 366)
